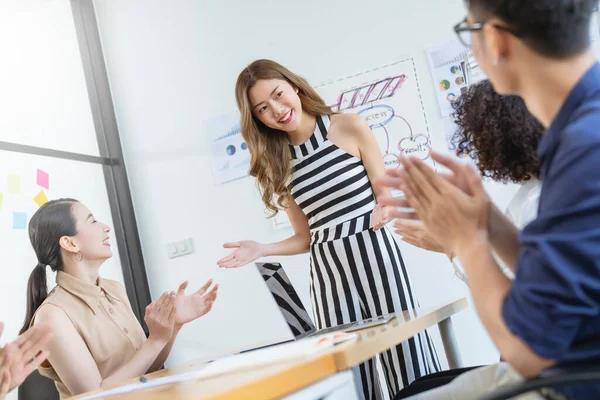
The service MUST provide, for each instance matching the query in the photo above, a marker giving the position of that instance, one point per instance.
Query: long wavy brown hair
(270, 158)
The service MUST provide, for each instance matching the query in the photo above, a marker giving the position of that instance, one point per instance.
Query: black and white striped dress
(355, 272)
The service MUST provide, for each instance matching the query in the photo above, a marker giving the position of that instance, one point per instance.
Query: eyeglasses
(463, 30)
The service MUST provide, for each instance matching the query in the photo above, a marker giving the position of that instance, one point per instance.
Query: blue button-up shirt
(554, 304)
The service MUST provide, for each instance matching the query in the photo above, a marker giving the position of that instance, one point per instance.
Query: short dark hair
(498, 132)
(556, 29)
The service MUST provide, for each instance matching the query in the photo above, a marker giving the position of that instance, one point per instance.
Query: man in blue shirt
(549, 316)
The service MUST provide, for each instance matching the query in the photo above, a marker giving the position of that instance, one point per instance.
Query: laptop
(294, 313)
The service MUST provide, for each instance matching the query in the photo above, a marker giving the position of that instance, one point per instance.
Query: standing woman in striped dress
(319, 165)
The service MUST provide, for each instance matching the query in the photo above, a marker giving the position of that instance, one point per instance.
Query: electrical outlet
(180, 248)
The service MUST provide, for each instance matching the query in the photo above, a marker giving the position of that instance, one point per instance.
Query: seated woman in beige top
(97, 340)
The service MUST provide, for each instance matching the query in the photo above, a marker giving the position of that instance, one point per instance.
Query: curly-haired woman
(502, 137)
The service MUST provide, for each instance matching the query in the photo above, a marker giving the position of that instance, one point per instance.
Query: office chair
(38, 387)
(555, 378)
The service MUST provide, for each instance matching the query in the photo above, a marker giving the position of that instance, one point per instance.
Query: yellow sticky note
(41, 198)
(14, 183)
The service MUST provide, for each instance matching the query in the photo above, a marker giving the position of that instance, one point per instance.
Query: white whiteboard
(389, 98)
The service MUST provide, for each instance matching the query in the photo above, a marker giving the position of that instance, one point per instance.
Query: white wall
(173, 65)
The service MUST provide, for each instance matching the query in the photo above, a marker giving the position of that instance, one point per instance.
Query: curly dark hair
(498, 132)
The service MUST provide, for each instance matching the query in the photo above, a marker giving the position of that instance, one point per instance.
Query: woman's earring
(79, 256)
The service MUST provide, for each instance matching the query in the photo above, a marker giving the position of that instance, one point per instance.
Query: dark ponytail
(51, 222)
(37, 291)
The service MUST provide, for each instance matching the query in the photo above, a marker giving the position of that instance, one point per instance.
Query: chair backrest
(38, 387)
(558, 377)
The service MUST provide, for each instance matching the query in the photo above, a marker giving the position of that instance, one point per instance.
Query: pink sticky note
(43, 179)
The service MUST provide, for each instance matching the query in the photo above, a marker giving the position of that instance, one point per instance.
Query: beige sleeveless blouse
(103, 317)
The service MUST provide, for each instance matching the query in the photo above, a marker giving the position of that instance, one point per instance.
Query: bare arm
(489, 286)
(504, 238)
(370, 155)
(249, 251)
(164, 354)
(299, 243)
(351, 133)
(83, 376)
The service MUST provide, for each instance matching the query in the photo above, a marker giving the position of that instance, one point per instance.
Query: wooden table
(377, 339)
(277, 380)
